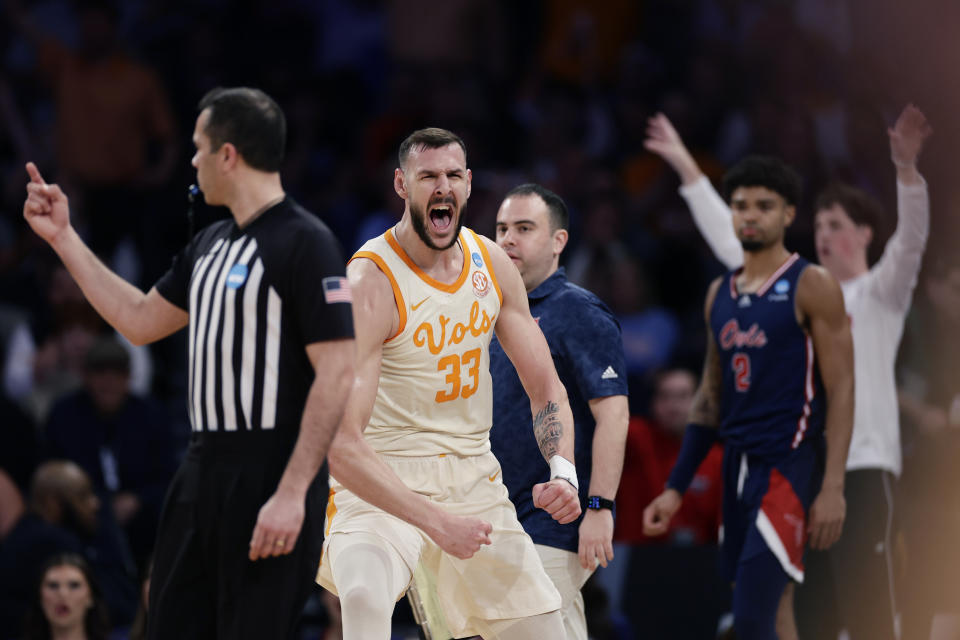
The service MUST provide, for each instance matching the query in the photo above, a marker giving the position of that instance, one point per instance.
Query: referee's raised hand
(46, 208)
(278, 524)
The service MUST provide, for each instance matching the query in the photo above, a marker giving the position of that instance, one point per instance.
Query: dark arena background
(102, 97)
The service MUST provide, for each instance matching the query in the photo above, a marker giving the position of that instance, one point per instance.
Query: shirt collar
(556, 280)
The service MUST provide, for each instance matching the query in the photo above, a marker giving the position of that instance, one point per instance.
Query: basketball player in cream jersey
(412, 476)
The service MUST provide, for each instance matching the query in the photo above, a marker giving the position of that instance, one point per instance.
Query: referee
(270, 364)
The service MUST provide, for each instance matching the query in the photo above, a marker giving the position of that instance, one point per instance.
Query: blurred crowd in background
(103, 98)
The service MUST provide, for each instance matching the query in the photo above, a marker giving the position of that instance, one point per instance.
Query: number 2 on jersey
(454, 363)
(741, 371)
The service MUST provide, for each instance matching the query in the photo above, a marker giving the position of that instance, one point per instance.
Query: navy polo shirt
(587, 350)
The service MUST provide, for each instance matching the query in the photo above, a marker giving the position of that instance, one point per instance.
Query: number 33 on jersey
(436, 369)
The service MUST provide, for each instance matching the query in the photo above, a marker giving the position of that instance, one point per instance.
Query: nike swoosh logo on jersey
(493, 477)
(413, 307)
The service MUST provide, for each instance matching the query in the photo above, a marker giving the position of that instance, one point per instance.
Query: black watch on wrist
(596, 502)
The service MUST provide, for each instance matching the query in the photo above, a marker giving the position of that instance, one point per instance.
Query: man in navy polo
(587, 349)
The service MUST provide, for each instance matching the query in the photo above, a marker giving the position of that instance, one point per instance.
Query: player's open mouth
(441, 216)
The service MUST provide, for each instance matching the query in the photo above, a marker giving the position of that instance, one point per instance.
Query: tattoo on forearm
(548, 429)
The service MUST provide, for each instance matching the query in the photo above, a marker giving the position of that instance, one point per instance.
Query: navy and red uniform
(772, 415)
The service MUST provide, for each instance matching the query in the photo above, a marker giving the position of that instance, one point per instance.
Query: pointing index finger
(35, 174)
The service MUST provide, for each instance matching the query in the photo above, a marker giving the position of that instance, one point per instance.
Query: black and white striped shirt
(256, 298)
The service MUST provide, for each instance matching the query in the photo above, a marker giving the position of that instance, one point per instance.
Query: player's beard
(419, 218)
(757, 243)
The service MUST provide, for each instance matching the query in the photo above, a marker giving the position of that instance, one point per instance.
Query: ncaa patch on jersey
(237, 276)
(481, 285)
(782, 286)
(336, 289)
(476, 259)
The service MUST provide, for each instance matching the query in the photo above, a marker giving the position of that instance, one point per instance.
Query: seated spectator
(55, 346)
(644, 584)
(653, 445)
(62, 516)
(124, 442)
(44, 358)
(67, 602)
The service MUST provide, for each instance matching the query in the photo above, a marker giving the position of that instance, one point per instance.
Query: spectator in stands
(653, 445)
(124, 442)
(62, 517)
(67, 604)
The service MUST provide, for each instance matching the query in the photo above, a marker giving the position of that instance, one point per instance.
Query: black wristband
(597, 503)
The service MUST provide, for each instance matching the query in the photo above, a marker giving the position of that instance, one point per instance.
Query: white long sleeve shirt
(877, 303)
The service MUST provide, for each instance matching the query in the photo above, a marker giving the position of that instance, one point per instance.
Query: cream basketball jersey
(435, 394)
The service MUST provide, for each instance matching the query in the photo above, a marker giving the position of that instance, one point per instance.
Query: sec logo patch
(481, 285)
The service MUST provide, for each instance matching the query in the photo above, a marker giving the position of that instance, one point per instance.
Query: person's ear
(400, 183)
(560, 238)
(229, 156)
(790, 213)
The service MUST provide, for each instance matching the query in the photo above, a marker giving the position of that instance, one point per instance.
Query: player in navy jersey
(270, 361)
(777, 388)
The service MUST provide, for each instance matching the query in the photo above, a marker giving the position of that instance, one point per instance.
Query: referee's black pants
(203, 585)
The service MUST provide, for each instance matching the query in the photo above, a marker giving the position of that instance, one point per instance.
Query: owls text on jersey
(772, 398)
(435, 394)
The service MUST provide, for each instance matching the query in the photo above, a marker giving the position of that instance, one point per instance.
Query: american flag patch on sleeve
(336, 289)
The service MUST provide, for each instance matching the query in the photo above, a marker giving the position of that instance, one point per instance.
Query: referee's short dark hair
(429, 138)
(251, 121)
(763, 171)
(557, 208)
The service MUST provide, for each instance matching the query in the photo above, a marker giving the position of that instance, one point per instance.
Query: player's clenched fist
(558, 498)
(462, 536)
(657, 515)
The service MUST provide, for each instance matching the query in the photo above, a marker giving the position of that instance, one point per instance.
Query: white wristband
(560, 467)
